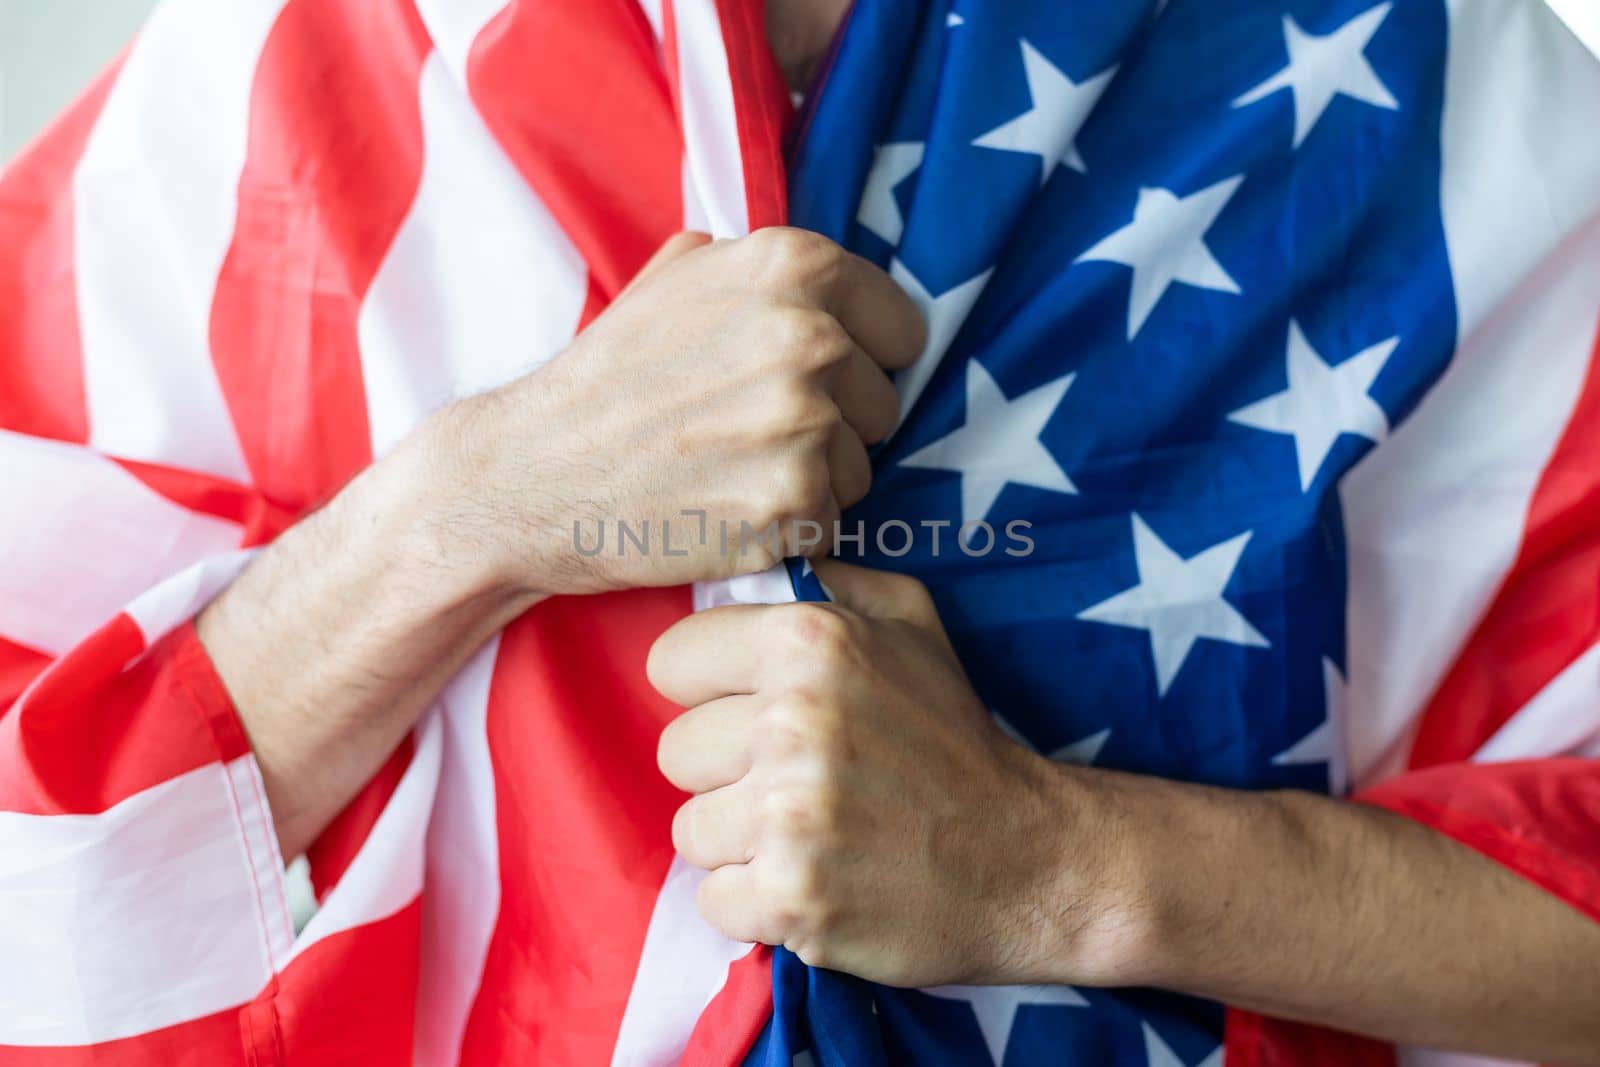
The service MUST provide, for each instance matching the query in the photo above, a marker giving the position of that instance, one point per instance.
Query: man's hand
(857, 803)
(742, 379)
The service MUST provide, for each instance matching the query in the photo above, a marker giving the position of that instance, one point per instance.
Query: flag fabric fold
(1274, 327)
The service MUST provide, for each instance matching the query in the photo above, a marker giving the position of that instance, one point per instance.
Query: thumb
(880, 595)
(673, 248)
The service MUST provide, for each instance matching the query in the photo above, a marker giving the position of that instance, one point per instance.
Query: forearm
(342, 632)
(1342, 915)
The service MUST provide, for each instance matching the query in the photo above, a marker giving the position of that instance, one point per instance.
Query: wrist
(1098, 909)
(498, 484)
(420, 515)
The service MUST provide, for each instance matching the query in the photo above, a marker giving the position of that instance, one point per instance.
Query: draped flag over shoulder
(1276, 320)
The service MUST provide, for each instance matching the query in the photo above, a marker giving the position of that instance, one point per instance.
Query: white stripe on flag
(1435, 515)
(453, 25)
(681, 968)
(155, 200)
(1562, 720)
(175, 601)
(81, 538)
(90, 902)
(386, 873)
(480, 285)
(654, 15)
(463, 867)
(685, 962)
(710, 123)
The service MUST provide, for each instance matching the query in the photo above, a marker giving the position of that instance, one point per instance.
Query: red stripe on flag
(1259, 1041)
(584, 825)
(1537, 818)
(41, 355)
(19, 666)
(107, 722)
(594, 302)
(207, 494)
(761, 108)
(1547, 611)
(348, 999)
(603, 152)
(334, 160)
(728, 1028)
(211, 1041)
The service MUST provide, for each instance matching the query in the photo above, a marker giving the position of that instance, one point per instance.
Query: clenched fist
(856, 802)
(739, 379)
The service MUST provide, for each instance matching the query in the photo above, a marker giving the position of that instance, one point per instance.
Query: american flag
(1276, 320)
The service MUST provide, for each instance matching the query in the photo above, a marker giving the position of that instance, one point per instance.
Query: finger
(849, 469)
(813, 538)
(728, 900)
(869, 304)
(708, 747)
(708, 655)
(675, 247)
(880, 594)
(717, 828)
(866, 397)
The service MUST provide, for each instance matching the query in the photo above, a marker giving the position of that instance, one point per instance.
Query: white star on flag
(998, 444)
(1322, 402)
(944, 315)
(1321, 68)
(879, 210)
(1157, 1053)
(1178, 601)
(1060, 106)
(996, 1007)
(1165, 243)
(1325, 744)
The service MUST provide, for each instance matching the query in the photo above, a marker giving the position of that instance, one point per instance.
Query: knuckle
(790, 714)
(818, 630)
(825, 803)
(799, 409)
(802, 903)
(799, 490)
(788, 256)
(805, 337)
(788, 812)
(814, 951)
(757, 555)
(801, 726)
(853, 489)
(908, 591)
(796, 888)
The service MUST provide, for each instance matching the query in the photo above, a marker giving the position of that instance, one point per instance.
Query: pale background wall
(50, 48)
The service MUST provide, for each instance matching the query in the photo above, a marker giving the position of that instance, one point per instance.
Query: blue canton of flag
(1183, 265)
